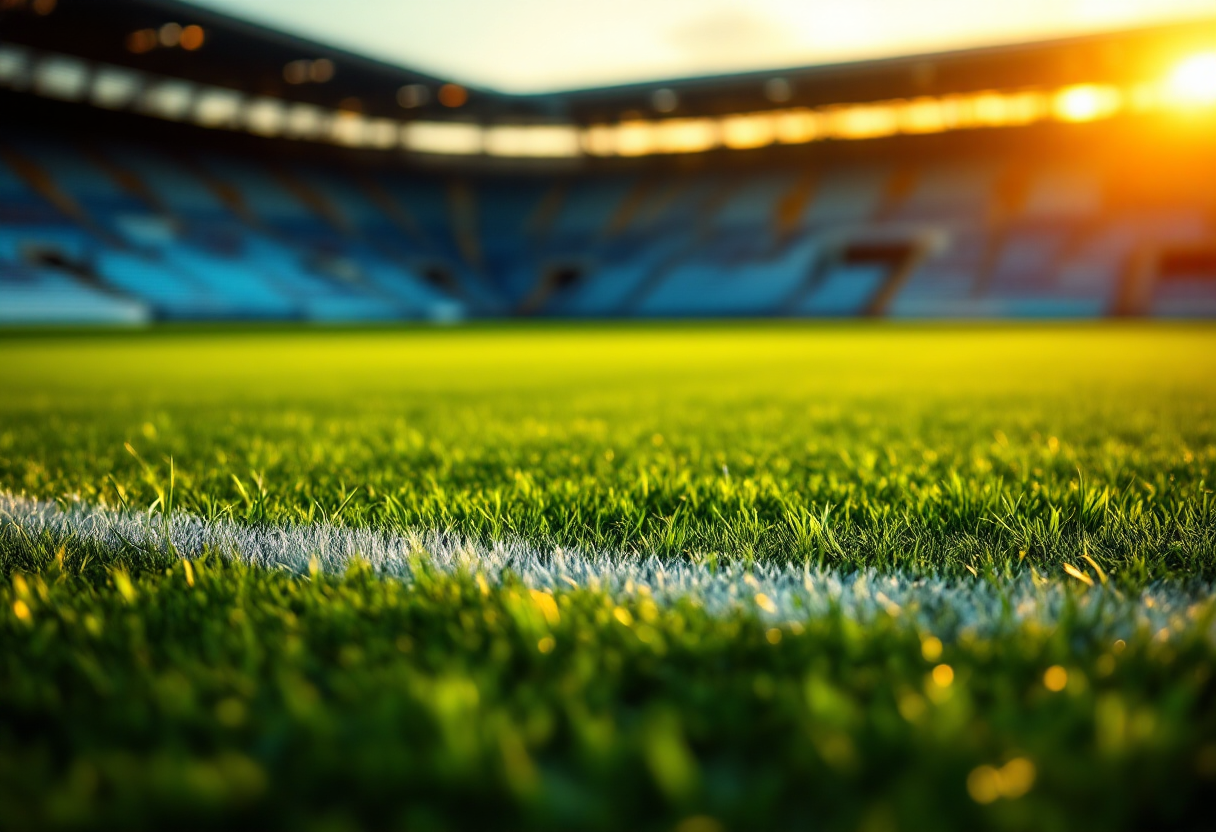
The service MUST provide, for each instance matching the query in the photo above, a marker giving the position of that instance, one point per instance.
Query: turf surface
(137, 693)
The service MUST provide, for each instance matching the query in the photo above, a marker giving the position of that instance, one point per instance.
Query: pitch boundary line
(776, 592)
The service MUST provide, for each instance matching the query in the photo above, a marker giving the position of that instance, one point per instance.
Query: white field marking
(777, 592)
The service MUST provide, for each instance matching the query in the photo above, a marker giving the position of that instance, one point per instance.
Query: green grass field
(1042, 494)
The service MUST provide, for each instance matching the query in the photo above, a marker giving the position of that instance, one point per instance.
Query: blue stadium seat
(752, 288)
(949, 192)
(30, 296)
(169, 292)
(185, 234)
(845, 196)
(844, 291)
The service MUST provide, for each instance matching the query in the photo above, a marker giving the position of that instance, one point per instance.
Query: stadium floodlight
(922, 115)
(115, 88)
(168, 99)
(306, 121)
(863, 121)
(665, 100)
(1024, 108)
(413, 95)
(541, 140)
(61, 77)
(599, 140)
(295, 72)
(1193, 81)
(141, 41)
(1087, 102)
(453, 95)
(381, 133)
(796, 126)
(14, 66)
(264, 116)
(685, 135)
(778, 90)
(192, 38)
(321, 70)
(217, 107)
(748, 131)
(170, 34)
(348, 128)
(442, 137)
(635, 138)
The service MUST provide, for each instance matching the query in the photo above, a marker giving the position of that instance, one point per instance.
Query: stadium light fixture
(348, 128)
(922, 115)
(548, 141)
(453, 95)
(61, 77)
(306, 121)
(264, 116)
(14, 65)
(635, 138)
(412, 96)
(168, 98)
(685, 135)
(381, 133)
(303, 71)
(170, 35)
(867, 121)
(664, 100)
(192, 38)
(141, 41)
(442, 137)
(295, 72)
(748, 131)
(778, 90)
(599, 140)
(321, 70)
(1193, 81)
(796, 126)
(217, 107)
(1087, 102)
(115, 88)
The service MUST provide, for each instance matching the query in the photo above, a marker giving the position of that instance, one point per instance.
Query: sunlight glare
(1193, 82)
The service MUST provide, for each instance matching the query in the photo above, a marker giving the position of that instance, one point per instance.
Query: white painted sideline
(778, 592)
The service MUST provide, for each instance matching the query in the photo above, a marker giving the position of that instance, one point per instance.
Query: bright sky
(538, 45)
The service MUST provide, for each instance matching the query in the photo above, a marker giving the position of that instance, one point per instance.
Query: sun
(1193, 82)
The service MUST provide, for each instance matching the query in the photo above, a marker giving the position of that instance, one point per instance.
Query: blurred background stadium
(164, 162)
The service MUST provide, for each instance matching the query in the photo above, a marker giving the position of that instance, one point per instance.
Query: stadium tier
(983, 184)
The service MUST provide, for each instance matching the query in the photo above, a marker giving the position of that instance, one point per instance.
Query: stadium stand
(983, 184)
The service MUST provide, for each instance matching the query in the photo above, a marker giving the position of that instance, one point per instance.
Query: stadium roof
(258, 60)
(233, 54)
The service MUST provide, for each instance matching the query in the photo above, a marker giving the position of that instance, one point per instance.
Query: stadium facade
(162, 162)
